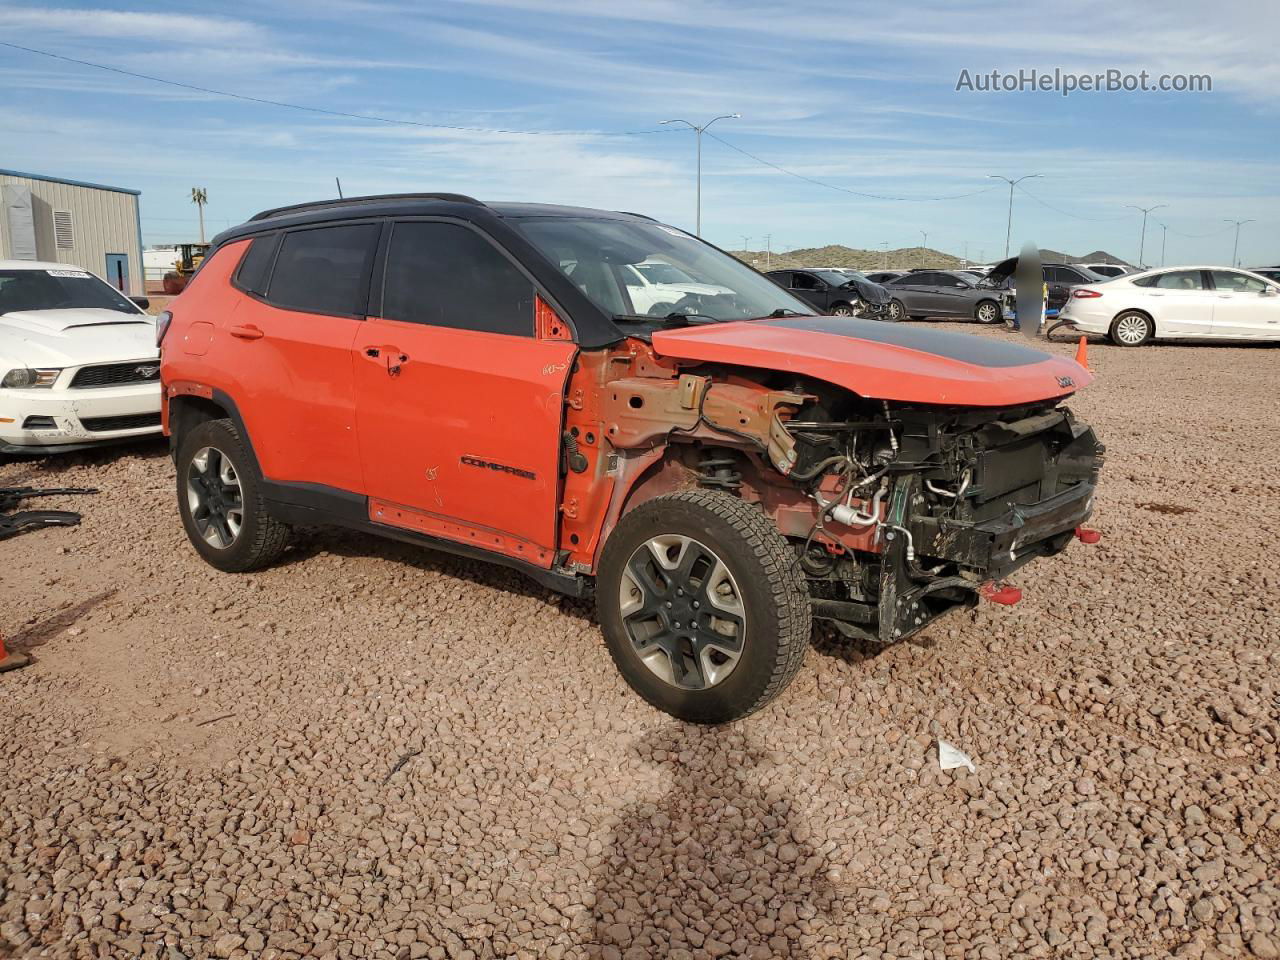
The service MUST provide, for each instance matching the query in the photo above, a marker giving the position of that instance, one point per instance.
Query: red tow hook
(1003, 593)
(1087, 535)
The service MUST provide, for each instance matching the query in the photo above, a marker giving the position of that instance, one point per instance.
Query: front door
(1242, 309)
(118, 271)
(811, 290)
(459, 405)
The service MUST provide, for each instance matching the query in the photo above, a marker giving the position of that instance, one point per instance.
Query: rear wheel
(896, 311)
(220, 500)
(988, 311)
(1132, 329)
(701, 606)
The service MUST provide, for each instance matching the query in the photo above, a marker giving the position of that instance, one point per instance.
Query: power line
(832, 186)
(320, 110)
(1068, 213)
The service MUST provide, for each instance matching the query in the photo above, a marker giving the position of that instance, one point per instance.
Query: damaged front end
(920, 507)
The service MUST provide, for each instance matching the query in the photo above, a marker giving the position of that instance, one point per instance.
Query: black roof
(594, 328)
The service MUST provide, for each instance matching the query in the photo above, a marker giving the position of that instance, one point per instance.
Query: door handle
(246, 331)
(393, 357)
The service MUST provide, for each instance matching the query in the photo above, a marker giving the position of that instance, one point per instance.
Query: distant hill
(837, 255)
(904, 258)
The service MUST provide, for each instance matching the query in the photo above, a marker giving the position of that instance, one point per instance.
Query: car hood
(870, 291)
(884, 361)
(68, 338)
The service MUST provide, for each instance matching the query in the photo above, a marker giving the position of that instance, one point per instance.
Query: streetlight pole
(1235, 249)
(1164, 237)
(1142, 247)
(1008, 229)
(698, 130)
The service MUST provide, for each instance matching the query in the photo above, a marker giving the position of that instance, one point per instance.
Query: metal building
(67, 221)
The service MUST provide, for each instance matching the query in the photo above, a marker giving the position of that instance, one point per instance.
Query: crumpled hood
(884, 361)
(871, 292)
(69, 338)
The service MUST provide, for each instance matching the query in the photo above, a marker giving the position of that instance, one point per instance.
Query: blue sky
(860, 96)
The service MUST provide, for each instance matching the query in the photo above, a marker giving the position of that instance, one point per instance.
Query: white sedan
(1178, 303)
(78, 361)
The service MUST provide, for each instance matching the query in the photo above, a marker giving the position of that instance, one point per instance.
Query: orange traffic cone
(11, 661)
(1082, 353)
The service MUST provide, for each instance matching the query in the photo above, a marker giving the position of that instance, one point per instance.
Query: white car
(78, 361)
(1178, 303)
(1107, 269)
(658, 284)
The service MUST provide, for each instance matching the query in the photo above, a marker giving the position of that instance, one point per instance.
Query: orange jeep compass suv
(608, 403)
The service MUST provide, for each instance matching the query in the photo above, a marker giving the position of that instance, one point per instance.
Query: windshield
(58, 290)
(602, 257)
(836, 278)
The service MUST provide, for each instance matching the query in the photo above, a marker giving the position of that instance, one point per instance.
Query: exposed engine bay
(897, 512)
(955, 499)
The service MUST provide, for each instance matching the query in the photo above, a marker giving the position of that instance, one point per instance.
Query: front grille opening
(39, 423)
(117, 374)
(134, 421)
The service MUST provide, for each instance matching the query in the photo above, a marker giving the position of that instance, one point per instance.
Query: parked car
(657, 286)
(943, 293)
(1181, 302)
(1271, 273)
(1107, 269)
(78, 361)
(842, 293)
(1059, 280)
(428, 368)
(884, 276)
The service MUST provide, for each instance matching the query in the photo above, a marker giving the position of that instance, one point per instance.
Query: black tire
(987, 312)
(260, 539)
(896, 311)
(843, 310)
(776, 621)
(1132, 328)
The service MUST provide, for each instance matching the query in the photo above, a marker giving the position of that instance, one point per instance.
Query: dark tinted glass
(325, 270)
(68, 288)
(449, 276)
(256, 266)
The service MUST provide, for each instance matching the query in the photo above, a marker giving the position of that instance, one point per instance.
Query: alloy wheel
(683, 612)
(895, 310)
(987, 313)
(1131, 329)
(842, 311)
(215, 497)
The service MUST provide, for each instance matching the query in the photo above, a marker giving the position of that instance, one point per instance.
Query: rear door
(459, 404)
(1181, 303)
(289, 344)
(1242, 309)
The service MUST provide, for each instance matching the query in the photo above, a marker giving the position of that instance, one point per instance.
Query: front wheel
(220, 500)
(896, 311)
(844, 310)
(701, 606)
(1132, 329)
(988, 311)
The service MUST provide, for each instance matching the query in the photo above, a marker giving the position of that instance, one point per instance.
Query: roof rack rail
(377, 198)
(642, 216)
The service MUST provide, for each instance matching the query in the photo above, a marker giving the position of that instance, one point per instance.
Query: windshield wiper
(779, 314)
(673, 316)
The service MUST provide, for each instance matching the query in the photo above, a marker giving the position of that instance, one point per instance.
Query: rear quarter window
(255, 266)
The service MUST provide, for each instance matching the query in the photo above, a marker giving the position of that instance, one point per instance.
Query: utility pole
(698, 130)
(200, 196)
(768, 250)
(884, 255)
(966, 253)
(1235, 249)
(745, 241)
(1008, 229)
(1143, 245)
(925, 234)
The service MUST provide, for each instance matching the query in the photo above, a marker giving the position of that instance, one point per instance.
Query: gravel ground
(374, 751)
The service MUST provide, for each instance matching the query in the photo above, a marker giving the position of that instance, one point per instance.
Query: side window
(1180, 280)
(447, 275)
(325, 269)
(255, 268)
(803, 281)
(1234, 282)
